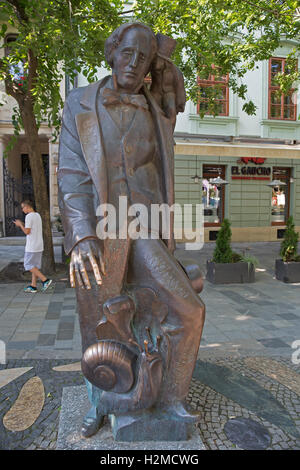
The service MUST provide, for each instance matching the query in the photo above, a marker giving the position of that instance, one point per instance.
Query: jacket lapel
(90, 135)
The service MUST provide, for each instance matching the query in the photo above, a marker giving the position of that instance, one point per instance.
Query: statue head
(129, 50)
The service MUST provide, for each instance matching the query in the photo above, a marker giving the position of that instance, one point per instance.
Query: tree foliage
(55, 38)
(231, 35)
(223, 252)
(67, 36)
(289, 244)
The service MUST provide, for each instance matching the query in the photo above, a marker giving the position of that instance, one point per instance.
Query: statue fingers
(78, 277)
(101, 261)
(83, 273)
(75, 269)
(73, 262)
(95, 268)
(72, 274)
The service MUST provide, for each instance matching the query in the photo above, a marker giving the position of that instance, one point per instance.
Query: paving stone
(27, 407)
(46, 340)
(31, 447)
(22, 345)
(63, 343)
(49, 327)
(11, 374)
(273, 343)
(247, 434)
(52, 315)
(276, 371)
(289, 316)
(64, 334)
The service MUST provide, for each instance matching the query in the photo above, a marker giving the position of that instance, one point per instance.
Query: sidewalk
(244, 379)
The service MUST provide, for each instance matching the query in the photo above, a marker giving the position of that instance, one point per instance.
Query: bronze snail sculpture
(130, 381)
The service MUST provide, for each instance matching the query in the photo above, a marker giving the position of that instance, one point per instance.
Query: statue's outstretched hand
(87, 251)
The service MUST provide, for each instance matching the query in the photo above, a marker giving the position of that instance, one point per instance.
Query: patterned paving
(243, 394)
(245, 369)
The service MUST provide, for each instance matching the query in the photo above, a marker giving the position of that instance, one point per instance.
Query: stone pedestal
(75, 405)
(149, 426)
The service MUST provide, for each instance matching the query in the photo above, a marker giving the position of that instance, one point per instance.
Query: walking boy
(34, 246)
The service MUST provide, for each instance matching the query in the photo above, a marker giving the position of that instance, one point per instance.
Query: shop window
(281, 106)
(280, 196)
(213, 195)
(213, 88)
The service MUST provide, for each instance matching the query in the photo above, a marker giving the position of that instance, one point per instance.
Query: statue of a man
(117, 140)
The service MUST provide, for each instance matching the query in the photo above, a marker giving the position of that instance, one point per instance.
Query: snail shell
(109, 365)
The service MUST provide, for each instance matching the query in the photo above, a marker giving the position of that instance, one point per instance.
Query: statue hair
(113, 41)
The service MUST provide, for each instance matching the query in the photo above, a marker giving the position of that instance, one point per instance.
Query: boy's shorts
(32, 260)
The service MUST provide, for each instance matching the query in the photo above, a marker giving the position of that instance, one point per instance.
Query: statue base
(75, 405)
(149, 426)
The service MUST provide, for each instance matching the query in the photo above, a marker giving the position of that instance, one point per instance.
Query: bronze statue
(141, 320)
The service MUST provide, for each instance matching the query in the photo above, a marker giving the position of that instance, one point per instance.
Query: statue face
(131, 59)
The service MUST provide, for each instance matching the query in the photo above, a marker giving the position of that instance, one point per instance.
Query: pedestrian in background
(34, 246)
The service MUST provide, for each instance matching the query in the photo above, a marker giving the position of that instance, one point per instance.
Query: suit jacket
(82, 173)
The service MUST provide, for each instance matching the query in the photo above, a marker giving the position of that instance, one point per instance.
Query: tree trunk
(39, 183)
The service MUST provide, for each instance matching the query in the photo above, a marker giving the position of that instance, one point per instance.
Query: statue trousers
(152, 265)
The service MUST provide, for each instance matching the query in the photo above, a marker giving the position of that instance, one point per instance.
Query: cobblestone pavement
(246, 370)
(282, 424)
(261, 318)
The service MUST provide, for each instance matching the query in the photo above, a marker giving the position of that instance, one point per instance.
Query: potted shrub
(228, 267)
(287, 269)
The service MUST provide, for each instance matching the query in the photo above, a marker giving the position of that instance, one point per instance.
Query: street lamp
(279, 208)
(219, 182)
(276, 183)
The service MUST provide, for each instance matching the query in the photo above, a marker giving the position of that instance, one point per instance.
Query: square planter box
(287, 271)
(228, 273)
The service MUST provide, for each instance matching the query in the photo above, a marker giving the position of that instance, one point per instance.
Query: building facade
(248, 152)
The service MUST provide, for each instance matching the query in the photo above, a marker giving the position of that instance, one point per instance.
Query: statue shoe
(91, 422)
(178, 411)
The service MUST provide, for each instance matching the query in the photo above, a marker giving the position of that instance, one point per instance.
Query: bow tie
(111, 97)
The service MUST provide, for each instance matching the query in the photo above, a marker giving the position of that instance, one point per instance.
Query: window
(280, 196)
(213, 195)
(214, 86)
(281, 106)
(9, 38)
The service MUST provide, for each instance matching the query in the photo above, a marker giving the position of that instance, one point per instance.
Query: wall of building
(247, 202)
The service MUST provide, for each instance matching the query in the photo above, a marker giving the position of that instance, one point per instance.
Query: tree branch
(13, 91)
(20, 12)
(32, 71)
(125, 12)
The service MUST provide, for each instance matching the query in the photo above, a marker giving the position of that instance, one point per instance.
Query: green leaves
(54, 38)
(67, 37)
(231, 34)
(289, 244)
(223, 252)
